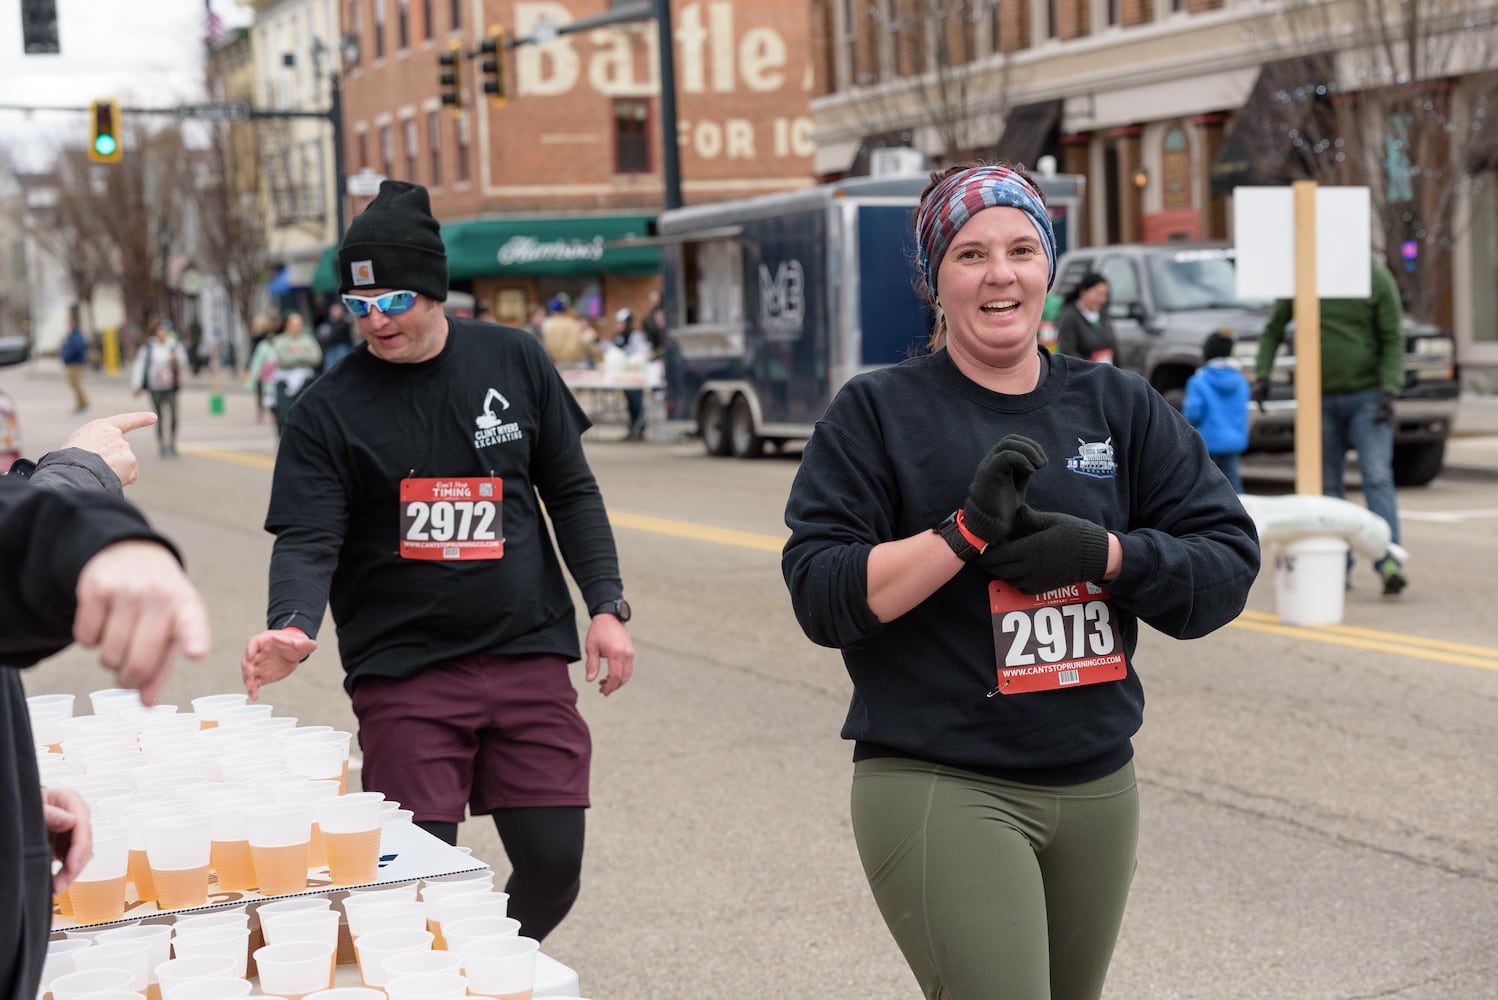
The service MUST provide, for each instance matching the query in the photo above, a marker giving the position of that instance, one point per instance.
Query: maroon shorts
(491, 732)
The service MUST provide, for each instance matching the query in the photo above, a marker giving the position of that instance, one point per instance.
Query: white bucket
(1310, 579)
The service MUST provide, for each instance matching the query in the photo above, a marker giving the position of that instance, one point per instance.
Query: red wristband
(972, 539)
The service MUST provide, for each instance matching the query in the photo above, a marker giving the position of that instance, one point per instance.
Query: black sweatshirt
(50, 526)
(491, 404)
(894, 455)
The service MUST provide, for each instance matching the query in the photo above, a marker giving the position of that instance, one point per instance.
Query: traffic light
(451, 77)
(493, 48)
(105, 144)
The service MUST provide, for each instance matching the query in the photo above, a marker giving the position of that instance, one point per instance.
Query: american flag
(213, 26)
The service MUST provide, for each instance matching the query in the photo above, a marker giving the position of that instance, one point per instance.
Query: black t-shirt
(489, 405)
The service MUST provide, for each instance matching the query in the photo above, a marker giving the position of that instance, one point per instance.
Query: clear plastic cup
(209, 706)
(98, 893)
(237, 916)
(295, 969)
(433, 892)
(282, 926)
(501, 967)
(211, 989)
(403, 916)
(50, 706)
(279, 836)
(115, 701)
(460, 906)
(427, 986)
(373, 948)
(240, 768)
(81, 984)
(438, 909)
(185, 970)
(350, 827)
(293, 905)
(319, 760)
(306, 743)
(176, 770)
(236, 715)
(229, 940)
(61, 958)
(132, 956)
(157, 936)
(295, 789)
(178, 849)
(229, 838)
(140, 811)
(347, 993)
(461, 932)
(411, 962)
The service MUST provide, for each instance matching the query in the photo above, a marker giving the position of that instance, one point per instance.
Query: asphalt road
(1320, 815)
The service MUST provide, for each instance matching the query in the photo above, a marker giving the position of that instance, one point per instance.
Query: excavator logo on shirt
(1095, 459)
(492, 427)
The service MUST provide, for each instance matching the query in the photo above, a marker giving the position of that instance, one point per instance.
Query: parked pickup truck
(1164, 298)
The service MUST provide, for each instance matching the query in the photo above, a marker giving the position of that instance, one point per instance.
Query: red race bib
(1059, 639)
(451, 519)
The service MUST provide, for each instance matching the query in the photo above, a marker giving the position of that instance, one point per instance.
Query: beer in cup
(350, 827)
(178, 849)
(98, 893)
(279, 837)
(209, 706)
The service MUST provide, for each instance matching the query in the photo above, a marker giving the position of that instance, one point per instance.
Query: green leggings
(994, 889)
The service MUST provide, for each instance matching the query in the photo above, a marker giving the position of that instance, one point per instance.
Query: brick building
(533, 194)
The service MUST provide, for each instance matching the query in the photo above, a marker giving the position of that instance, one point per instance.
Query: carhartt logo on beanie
(396, 244)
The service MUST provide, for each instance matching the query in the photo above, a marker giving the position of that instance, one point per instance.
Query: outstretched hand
(137, 606)
(105, 437)
(998, 487)
(272, 655)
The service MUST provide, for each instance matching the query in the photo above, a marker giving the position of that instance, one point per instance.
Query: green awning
(557, 246)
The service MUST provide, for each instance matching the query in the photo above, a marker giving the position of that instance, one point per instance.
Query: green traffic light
(104, 145)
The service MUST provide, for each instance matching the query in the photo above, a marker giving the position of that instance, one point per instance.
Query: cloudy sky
(147, 53)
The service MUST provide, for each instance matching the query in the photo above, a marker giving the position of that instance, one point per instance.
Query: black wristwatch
(619, 609)
(22, 468)
(959, 539)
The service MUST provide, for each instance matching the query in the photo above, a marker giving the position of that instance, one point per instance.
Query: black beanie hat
(1217, 345)
(395, 243)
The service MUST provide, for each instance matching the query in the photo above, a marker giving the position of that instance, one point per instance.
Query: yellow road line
(1377, 635)
(699, 532)
(1419, 652)
(236, 457)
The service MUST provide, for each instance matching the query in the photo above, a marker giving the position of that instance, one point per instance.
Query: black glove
(1260, 392)
(1383, 413)
(998, 487)
(1047, 551)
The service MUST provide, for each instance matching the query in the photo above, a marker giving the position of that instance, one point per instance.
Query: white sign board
(1264, 235)
(364, 184)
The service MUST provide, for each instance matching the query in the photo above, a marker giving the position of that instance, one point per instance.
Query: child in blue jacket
(1217, 405)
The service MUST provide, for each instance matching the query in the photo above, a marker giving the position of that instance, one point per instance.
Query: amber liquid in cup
(280, 871)
(232, 864)
(139, 872)
(96, 902)
(317, 854)
(522, 995)
(180, 887)
(207, 724)
(353, 858)
(439, 943)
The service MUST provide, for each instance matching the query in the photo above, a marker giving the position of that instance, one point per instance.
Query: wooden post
(1307, 345)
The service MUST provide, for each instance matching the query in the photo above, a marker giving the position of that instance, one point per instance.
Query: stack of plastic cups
(294, 969)
(431, 892)
(223, 933)
(47, 712)
(133, 956)
(282, 923)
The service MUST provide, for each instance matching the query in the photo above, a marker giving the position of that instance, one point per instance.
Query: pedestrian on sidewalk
(1217, 405)
(1362, 373)
(298, 357)
(158, 370)
(74, 356)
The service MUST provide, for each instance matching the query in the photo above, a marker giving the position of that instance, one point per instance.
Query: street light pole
(340, 180)
(670, 152)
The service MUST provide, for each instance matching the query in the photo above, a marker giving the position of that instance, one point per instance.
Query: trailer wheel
(741, 437)
(1417, 463)
(712, 425)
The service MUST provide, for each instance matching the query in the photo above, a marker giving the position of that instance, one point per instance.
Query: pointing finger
(127, 422)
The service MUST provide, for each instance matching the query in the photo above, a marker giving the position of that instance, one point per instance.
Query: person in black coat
(1083, 329)
(76, 561)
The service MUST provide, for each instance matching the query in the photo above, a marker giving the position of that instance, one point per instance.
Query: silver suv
(1165, 298)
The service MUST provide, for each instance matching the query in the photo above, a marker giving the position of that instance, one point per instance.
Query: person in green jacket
(1362, 371)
